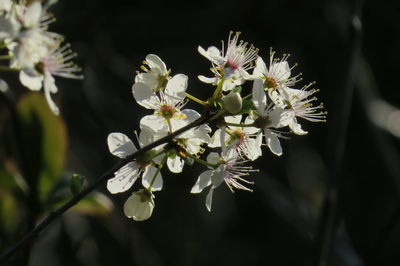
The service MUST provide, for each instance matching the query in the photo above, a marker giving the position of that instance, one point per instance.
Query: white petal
(296, 127)
(259, 98)
(147, 78)
(175, 90)
(213, 54)
(137, 208)
(260, 69)
(215, 139)
(148, 176)
(281, 71)
(156, 64)
(33, 14)
(272, 142)
(120, 145)
(145, 96)
(124, 178)
(250, 130)
(209, 199)
(50, 86)
(207, 80)
(153, 123)
(191, 115)
(32, 82)
(217, 176)
(235, 119)
(202, 182)
(252, 150)
(175, 165)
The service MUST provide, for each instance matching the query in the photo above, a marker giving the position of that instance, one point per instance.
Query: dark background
(278, 223)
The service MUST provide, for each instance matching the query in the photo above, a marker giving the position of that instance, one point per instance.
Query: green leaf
(247, 105)
(77, 183)
(44, 141)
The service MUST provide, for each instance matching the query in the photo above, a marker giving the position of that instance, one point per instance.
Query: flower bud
(140, 205)
(232, 102)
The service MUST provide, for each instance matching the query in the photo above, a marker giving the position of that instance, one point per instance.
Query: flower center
(167, 111)
(238, 135)
(270, 83)
(232, 64)
(262, 122)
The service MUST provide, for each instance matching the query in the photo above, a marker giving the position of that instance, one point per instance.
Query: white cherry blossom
(229, 169)
(298, 103)
(230, 65)
(266, 118)
(121, 146)
(246, 140)
(277, 74)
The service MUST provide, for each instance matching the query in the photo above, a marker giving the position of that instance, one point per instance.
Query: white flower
(266, 118)
(230, 65)
(121, 146)
(52, 62)
(277, 75)
(166, 104)
(140, 205)
(239, 138)
(298, 103)
(230, 170)
(156, 76)
(190, 141)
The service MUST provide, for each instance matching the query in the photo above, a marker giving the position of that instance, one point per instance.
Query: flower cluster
(239, 121)
(35, 52)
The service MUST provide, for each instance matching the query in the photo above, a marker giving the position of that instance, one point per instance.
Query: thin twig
(108, 174)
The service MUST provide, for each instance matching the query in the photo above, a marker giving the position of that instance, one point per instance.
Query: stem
(239, 125)
(5, 57)
(200, 161)
(218, 90)
(108, 174)
(197, 100)
(8, 69)
(217, 115)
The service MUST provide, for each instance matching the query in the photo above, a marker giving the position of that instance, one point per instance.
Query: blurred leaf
(8, 202)
(77, 183)
(44, 142)
(94, 204)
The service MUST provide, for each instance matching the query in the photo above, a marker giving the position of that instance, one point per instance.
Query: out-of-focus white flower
(266, 118)
(239, 138)
(140, 205)
(232, 102)
(230, 65)
(230, 170)
(54, 61)
(121, 146)
(277, 75)
(298, 103)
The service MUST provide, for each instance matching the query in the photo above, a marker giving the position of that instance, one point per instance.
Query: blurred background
(333, 194)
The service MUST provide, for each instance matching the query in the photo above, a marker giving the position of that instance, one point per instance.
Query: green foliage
(44, 142)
